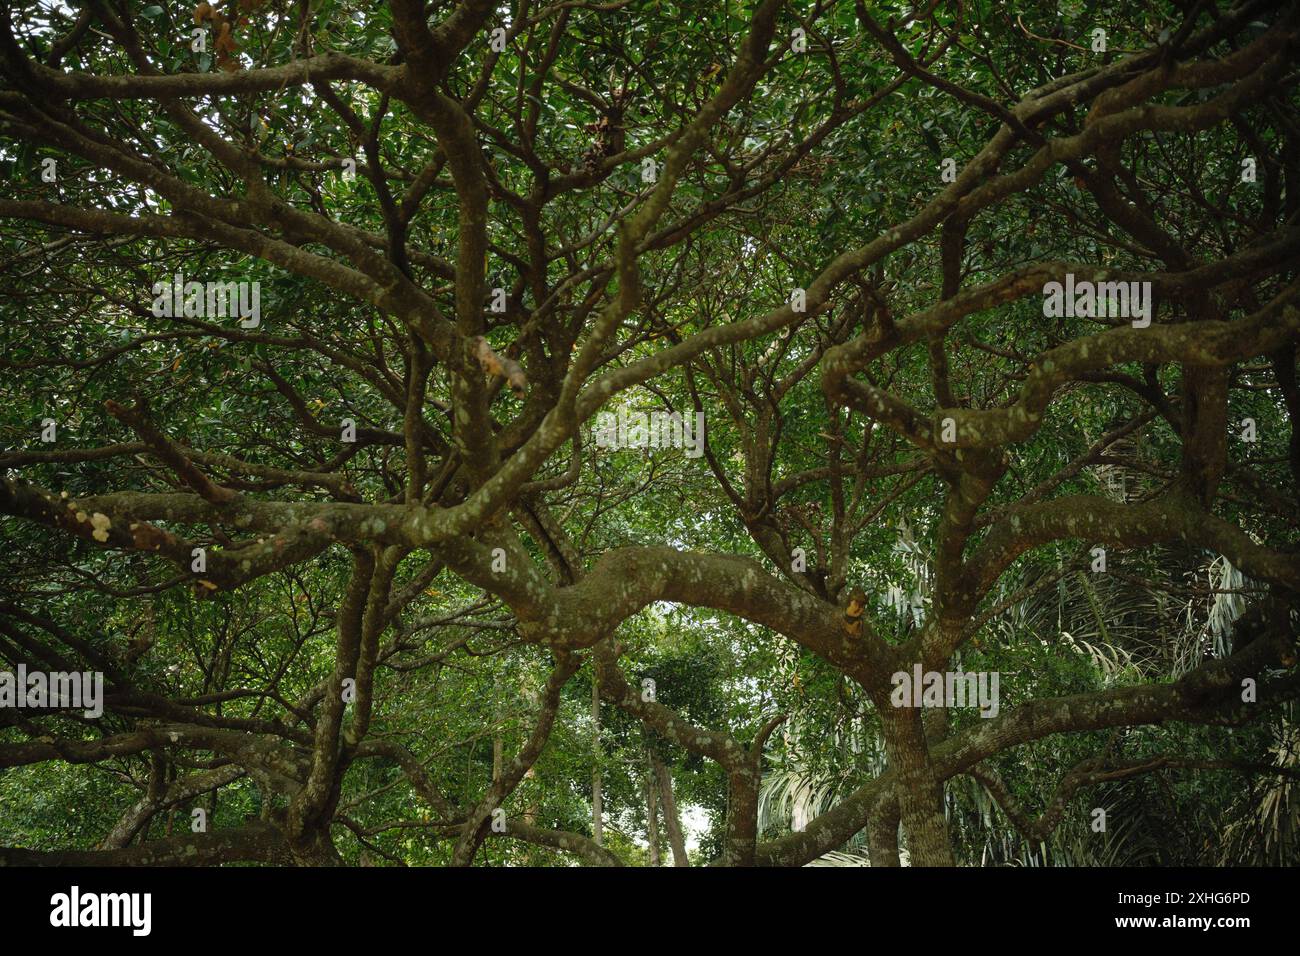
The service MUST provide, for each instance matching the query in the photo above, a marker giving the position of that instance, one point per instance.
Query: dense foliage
(373, 576)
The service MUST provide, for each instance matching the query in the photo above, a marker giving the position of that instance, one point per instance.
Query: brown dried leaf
(507, 368)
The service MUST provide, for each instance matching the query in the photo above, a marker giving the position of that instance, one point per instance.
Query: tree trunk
(920, 797)
(742, 817)
(672, 819)
(597, 803)
(315, 849)
(649, 788)
(882, 834)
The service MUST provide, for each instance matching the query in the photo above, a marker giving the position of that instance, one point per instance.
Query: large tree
(323, 549)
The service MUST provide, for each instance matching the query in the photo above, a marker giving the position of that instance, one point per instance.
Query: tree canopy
(650, 432)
